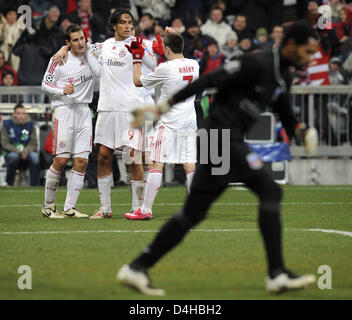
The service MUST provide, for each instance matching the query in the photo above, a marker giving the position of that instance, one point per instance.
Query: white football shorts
(174, 146)
(72, 131)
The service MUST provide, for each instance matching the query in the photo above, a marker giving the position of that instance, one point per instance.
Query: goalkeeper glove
(136, 49)
(149, 113)
(158, 46)
(309, 138)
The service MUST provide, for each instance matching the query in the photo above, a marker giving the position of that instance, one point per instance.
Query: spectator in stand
(329, 40)
(91, 22)
(246, 45)
(276, 36)
(261, 39)
(240, 26)
(5, 67)
(178, 26)
(9, 34)
(146, 26)
(230, 49)
(215, 26)
(194, 41)
(35, 47)
(8, 80)
(19, 141)
(344, 31)
(159, 27)
(48, 30)
(336, 74)
(159, 9)
(213, 58)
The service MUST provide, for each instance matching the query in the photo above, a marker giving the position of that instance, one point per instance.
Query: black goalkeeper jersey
(246, 87)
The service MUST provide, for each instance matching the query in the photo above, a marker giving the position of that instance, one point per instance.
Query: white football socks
(104, 187)
(146, 172)
(190, 176)
(151, 189)
(74, 186)
(51, 183)
(137, 189)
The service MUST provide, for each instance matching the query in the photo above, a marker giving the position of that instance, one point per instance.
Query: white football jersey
(75, 71)
(117, 89)
(169, 78)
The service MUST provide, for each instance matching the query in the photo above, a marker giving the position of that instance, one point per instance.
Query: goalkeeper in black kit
(245, 88)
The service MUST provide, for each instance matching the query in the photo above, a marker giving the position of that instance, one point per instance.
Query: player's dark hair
(71, 29)
(174, 41)
(300, 32)
(115, 18)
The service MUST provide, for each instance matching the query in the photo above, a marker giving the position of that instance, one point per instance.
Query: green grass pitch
(223, 258)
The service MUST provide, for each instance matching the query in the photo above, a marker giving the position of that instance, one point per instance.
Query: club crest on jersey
(122, 53)
(62, 144)
(254, 161)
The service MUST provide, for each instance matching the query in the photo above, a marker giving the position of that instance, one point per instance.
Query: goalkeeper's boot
(138, 215)
(138, 279)
(101, 214)
(74, 213)
(286, 280)
(51, 213)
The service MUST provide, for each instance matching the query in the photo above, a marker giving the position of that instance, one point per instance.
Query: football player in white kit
(118, 97)
(176, 131)
(71, 88)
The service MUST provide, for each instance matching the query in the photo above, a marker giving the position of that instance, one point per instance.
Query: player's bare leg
(105, 179)
(75, 184)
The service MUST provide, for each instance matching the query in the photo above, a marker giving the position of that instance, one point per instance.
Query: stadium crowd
(214, 32)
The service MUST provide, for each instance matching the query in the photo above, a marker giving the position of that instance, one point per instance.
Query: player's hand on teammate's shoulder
(61, 56)
(69, 89)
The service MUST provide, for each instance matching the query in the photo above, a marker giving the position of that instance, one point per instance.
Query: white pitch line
(167, 189)
(344, 233)
(181, 203)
